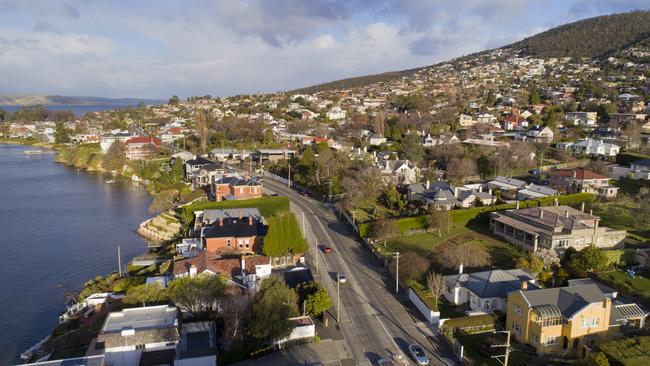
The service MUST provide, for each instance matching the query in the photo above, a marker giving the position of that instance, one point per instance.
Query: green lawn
(620, 213)
(471, 344)
(628, 352)
(268, 206)
(637, 288)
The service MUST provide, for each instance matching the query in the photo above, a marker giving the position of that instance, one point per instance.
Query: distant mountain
(592, 38)
(56, 100)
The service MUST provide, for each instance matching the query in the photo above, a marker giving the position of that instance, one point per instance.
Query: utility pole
(119, 261)
(338, 297)
(289, 176)
(507, 346)
(396, 254)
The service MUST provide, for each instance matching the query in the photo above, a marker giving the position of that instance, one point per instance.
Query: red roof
(175, 131)
(143, 140)
(577, 173)
(225, 266)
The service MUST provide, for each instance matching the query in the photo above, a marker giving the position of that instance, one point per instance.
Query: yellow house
(565, 320)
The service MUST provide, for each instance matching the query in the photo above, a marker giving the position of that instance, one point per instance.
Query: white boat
(36, 152)
(110, 181)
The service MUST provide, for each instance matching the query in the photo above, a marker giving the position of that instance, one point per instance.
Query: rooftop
(494, 283)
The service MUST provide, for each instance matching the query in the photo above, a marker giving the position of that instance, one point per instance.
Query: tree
(151, 293)
(178, 170)
(392, 198)
(164, 200)
(61, 135)
(201, 121)
(435, 284)
(491, 99)
(283, 236)
(459, 168)
(175, 100)
(315, 298)
(274, 304)
(412, 148)
(236, 308)
(534, 97)
(549, 258)
(412, 266)
(597, 359)
(451, 255)
(531, 264)
(589, 259)
(484, 166)
(197, 295)
(598, 166)
(383, 229)
(115, 157)
(438, 220)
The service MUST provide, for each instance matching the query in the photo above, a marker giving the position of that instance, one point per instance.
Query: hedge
(630, 157)
(268, 206)
(462, 217)
(627, 352)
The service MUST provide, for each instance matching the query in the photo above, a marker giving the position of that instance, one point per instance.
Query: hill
(592, 38)
(56, 100)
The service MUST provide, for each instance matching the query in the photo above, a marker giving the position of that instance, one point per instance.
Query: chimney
(541, 213)
(221, 221)
(582, 207)
(241, 215)
(243, 264)
(490, 191)
(456, 192)
(574, 173)
(566, 214)
(524, 285)
(591, 212)
(517, 205)
(193, 270)
(480, 188)
(250, 220)
(428, 184)
(460, 268)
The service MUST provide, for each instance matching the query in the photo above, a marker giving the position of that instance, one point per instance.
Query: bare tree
(451, 255)
(236, 308)
(383, 229)
(435, 284)
(201, 121)
(438, 220)
(459, 168)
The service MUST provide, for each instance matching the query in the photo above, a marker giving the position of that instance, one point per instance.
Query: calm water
(79, 110)
(58, 228)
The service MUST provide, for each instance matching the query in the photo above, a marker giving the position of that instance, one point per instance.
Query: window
(562, 243)
(590, 322)
(517, 309)
(228, 242)
(534, 338)
(552, 340)
(487, 304)
(516, 328)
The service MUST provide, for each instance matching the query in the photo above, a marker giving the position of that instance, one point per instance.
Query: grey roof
(627, 311)
(509, 181)
(588, 281)
(493, 283)
(569, 300)
(542, 189)
(529, 220)
(151, 324)
(78, 361)
(642, 162)
(210, 216)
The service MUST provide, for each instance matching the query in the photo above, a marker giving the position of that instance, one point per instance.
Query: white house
(336, 113)
(593, 147)
(400, 171)
(485, 291)
(641, 169)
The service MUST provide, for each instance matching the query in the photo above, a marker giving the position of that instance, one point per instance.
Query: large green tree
(589, 259)
(61, 135)
(151, 293)
(284, 236)
(274, 304)
(197, 295)
(315, 298)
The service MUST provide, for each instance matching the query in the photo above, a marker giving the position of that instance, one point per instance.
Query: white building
(592, 147)
(336, 113)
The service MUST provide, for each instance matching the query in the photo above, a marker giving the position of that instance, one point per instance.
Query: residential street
(374, 322)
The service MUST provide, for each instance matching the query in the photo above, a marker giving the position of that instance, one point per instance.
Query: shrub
(469, 324)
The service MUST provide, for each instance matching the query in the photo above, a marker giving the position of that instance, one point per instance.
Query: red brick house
(140, 148)
(206, 263)
(234, 235)
(237, 188)
(582, 180)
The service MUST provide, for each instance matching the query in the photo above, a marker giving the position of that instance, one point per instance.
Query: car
(417, 352)
(341, 278)
(305, 193)
(327, 249)
(395, 360)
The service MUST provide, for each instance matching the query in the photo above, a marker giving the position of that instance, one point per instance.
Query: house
(437, 194)
(581, 118)
(336, 113)
(131, 336)
(237, 188)
(238, 235)
(534, 191)
(508, 188)
(553, 227)
(582, 180)
(485, 291)
(465, 121)
(377, 140)
(567, 320)
(140, 148)
(272, 155)
(193, 165)
(107, 140)
(592, 147)
(539, 134)
(400, 171)
(171, 135)
(641, 169)
(212, 217)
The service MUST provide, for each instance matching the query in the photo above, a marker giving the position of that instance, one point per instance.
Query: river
(58, 228)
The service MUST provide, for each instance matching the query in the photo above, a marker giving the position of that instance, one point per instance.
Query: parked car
(341, 278)
(327, 249)
(396, 360)
(417, 352)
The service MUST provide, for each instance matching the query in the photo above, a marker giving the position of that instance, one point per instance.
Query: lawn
(446, 309)
(502, 255)
(637, 288)
(268, 206)
(628, 352)
(472, 342)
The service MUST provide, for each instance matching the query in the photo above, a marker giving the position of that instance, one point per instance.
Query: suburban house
(234, 234)
(193, 165)
(534, 191)
(567, 319)
(485, 291)
(272, 155)
(377, 140)
(399, 171)
(243, 271)
(508, 188)
(336, 113)
(443, 195)
(591, 147)
(237, 188)
(132, 336)
(553, 227)
(581, 118)
(539, 134)
(304, 328)
(172, 134)
(582, 180)
(212, 217)
(107, 140)
(140, 148)
(641, 169)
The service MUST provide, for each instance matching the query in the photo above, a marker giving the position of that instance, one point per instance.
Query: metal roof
(629, 311)
(547, 311)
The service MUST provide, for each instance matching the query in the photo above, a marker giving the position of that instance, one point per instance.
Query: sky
(160, 48)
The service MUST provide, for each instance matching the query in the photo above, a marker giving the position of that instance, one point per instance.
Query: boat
(110, 181)
(36, 152)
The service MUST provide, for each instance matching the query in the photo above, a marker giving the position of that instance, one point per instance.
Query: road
(373, 321)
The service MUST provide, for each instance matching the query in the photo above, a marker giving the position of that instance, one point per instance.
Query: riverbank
(27, 142)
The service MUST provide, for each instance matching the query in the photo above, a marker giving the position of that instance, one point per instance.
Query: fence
(432, 317)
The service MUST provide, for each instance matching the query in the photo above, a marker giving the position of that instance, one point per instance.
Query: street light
(396, 254)
(338, 297)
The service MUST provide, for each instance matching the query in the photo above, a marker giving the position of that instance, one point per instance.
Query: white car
(341, 278)
(417, 352)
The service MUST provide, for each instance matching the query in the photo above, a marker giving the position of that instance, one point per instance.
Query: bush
(630, 351)
(469, 324)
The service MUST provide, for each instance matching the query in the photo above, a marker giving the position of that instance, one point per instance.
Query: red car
(327, 249)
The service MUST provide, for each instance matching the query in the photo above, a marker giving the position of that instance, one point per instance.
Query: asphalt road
(373, 321)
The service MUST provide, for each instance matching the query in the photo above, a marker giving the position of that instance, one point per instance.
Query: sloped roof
(580, 174)
(569, 300)
(493, 283)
